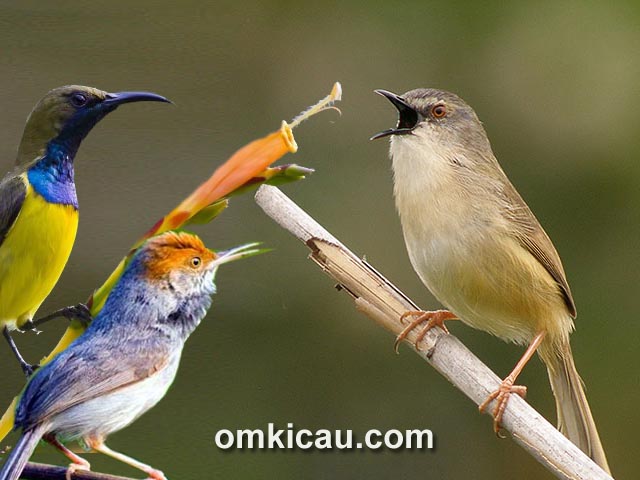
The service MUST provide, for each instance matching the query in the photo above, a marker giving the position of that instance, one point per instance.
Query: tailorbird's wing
(532, 236)
(93, 366)
(13, 190)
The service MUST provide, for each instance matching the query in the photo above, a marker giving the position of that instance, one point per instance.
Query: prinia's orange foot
(435, 318)
(502, 398)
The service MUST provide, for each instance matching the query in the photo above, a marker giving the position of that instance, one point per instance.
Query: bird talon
(502, 398)
(433, 319)
(74, 467)
(80, 312)
(396, 344)
(29, 369)
(408, 314)
(156, 474)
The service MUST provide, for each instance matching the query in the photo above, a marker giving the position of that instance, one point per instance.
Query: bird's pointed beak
(237, 253)
(408, 118)
(115, 99)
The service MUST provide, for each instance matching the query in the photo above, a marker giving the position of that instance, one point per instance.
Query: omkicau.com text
(292, 438)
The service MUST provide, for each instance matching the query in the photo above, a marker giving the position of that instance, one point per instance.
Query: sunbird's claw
(79, 312)
(29, 369)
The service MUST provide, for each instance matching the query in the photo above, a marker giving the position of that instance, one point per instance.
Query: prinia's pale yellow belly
(33, 256)
(494, 285)
(460, 246)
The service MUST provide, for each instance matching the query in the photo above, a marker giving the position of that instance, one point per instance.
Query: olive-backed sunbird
(38, 203)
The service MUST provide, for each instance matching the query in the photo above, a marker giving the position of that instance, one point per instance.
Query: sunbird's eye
(79, 100)
(438, 111)
(196, 262)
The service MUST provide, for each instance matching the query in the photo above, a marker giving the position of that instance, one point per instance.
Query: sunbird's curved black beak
(408, 117)
(115, 99)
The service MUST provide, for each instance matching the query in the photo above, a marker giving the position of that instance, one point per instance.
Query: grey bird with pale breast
(126, 360)
(479, 249)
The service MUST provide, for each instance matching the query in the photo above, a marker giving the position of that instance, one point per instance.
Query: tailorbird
(124, 363)
(38, 203)
(479, 249)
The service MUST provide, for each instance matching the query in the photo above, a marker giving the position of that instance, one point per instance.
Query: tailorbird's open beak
(237, 253)
(408, 118)
(115, 99)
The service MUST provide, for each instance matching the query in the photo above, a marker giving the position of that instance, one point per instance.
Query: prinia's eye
(79, 100)
(196, 262)
(438, 111)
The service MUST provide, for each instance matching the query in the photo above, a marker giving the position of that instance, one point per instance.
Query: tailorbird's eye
(196, 262)
(79, 100)
(438, 111)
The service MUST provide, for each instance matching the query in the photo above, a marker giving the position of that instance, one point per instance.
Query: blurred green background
(556, 85)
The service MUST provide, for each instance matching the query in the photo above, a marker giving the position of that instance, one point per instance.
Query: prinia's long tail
(20, 454)
(574, 416)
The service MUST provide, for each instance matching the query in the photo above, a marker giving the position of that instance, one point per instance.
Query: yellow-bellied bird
(38, 203)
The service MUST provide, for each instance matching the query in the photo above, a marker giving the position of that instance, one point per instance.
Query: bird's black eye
(196, 262)
(438, 111)
(79, 100)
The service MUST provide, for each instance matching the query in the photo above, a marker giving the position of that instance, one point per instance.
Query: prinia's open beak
(408, 118)
(115, 99)
(237, 253)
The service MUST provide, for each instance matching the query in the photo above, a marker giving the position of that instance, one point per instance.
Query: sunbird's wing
(13, 190)
(91, 368)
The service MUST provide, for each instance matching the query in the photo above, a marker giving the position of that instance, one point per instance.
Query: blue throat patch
(52, 175)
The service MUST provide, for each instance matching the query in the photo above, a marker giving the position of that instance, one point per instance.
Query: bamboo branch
(41, 471)
(380, 300)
